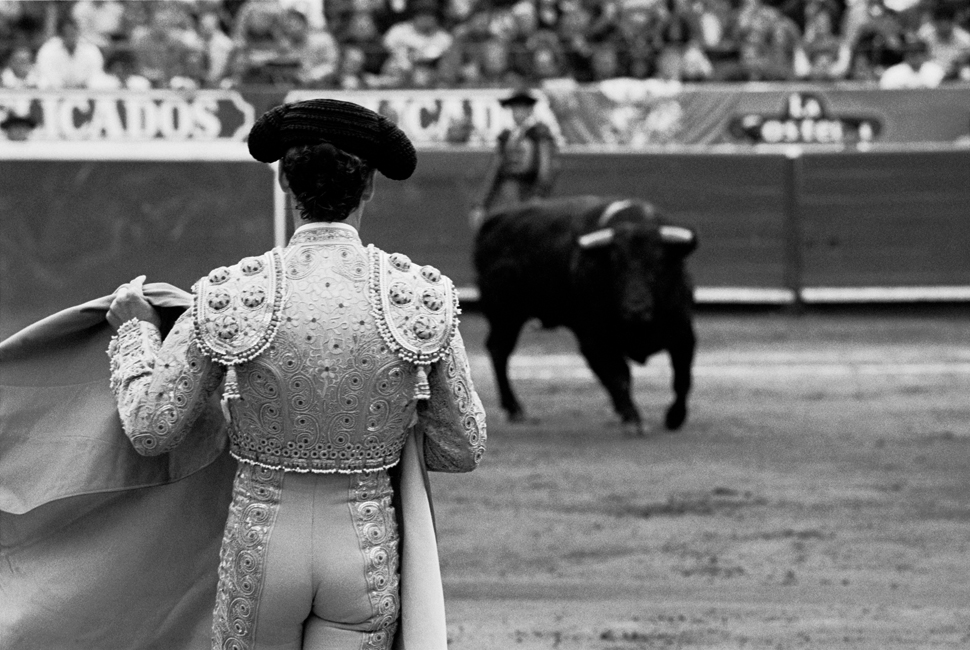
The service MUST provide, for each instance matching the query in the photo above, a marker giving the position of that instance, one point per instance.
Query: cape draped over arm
(103, 548)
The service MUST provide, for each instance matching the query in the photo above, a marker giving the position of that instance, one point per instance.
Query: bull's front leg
(502, 336)
(681, 350)
(610, 367)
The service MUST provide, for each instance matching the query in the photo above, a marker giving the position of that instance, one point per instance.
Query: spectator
(167, 52)
(461, 64)
(20, 72)
(874, 37)
(546, 58)
(948, 44)
(351, 74)
(714, 20)
(549, 13)
(99, 21)
(419, 39)
(315, 50)
(917, 70)
(361, 32)
(311, 10)
(66, 61)
(217, 49)
(574, 30)
(636, 40)
(120, 74)
(823, 56)
(493, 66)
(604, 62)
(768, 42)
(682, 57)
(517, 26)
(606, 14)
(260, 43)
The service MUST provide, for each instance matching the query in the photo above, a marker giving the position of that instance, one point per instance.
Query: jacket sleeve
(161, 388)
(453, 420)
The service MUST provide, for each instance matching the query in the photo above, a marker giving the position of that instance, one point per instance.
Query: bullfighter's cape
(102, 548)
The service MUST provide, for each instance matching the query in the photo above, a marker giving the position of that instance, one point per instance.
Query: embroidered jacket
(330, 352)
(519, 152)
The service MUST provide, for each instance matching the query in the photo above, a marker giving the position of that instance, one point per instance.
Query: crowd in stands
(359, 44)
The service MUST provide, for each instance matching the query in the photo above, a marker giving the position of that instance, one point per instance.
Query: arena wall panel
(71, 230)
(74, 230)
(892, 219)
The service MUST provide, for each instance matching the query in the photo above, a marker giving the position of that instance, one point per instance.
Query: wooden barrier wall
(73, 230)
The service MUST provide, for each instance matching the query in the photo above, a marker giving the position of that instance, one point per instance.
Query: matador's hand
(129, 302)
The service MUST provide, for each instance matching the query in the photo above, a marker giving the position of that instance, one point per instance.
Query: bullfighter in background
(330, 352)
(525, 163)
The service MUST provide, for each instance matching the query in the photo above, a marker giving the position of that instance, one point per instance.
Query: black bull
(610, 271)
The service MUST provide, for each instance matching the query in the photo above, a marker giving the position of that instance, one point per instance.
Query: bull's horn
(676, 235)
(611, 210)
(596, 238)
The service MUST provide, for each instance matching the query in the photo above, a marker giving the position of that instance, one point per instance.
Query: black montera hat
(521, 97)
(345, 125)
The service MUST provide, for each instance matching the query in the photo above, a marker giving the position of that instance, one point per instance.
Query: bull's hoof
(518, 417)
(676, 415)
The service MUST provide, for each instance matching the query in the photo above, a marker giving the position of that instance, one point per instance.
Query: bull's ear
(679, 240)
(596, 239)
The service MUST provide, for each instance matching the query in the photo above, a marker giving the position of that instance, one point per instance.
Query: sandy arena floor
(818, 497)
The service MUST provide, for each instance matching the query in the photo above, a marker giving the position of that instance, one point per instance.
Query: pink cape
(101, 548)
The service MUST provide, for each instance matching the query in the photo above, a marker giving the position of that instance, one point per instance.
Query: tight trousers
(308, 562)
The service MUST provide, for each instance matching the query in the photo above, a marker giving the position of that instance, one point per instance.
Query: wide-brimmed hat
(348, 126)
(520, 97)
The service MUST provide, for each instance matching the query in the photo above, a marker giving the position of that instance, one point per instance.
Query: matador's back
(328, 344)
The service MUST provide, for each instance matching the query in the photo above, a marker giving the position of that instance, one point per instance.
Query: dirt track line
(564, 367)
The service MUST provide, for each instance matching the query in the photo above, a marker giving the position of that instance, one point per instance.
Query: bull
(612, 271)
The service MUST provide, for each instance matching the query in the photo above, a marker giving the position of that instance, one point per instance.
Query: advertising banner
(615, 115)
(130, 116)
(630, 113)
(440, 117)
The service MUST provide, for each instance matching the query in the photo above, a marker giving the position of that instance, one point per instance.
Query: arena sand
(818, 497)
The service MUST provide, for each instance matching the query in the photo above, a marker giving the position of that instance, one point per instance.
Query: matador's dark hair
(327, 182)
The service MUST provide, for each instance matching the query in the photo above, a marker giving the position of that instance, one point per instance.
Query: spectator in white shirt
(418, 39)
(67, 61)
(916, 70)
(949, 44)
(19, 72)
(100, 21)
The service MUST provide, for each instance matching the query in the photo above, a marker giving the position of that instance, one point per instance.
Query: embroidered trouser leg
(309, 561)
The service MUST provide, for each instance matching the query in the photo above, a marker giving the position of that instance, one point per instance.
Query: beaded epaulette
(236, 313)
(416, 311)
